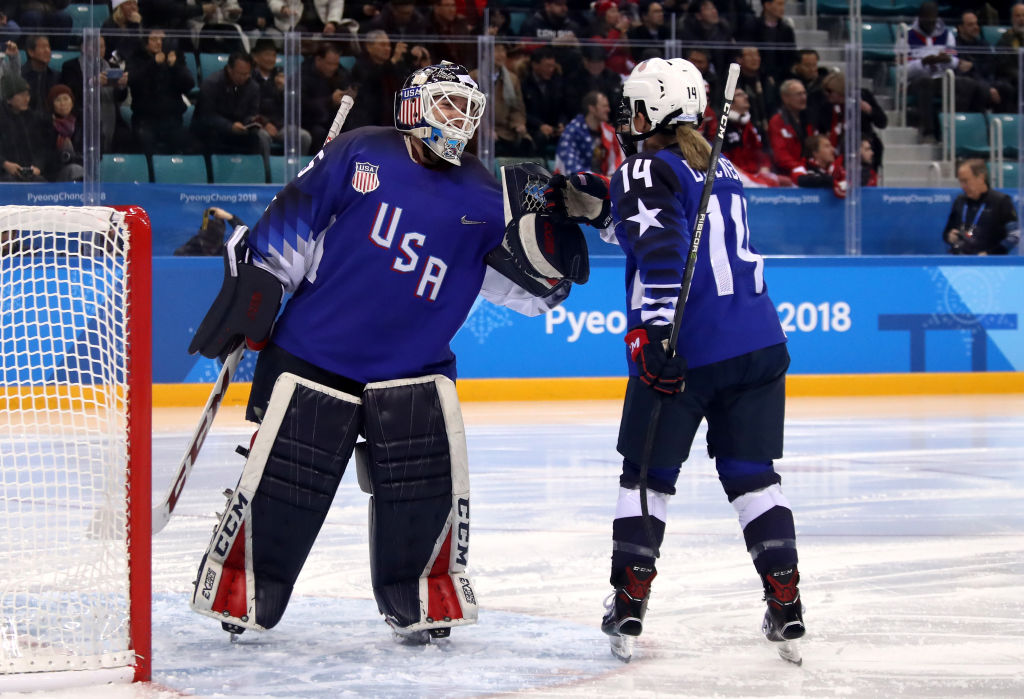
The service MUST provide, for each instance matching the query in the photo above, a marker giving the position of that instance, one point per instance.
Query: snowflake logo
(485, 318)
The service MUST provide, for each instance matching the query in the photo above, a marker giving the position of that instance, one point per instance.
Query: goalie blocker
(538, 252)
(413, 464)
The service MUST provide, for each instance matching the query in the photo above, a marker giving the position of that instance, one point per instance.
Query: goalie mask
(441, 106)
(666, 92)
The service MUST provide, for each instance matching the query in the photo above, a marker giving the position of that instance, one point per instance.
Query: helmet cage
(444, 115)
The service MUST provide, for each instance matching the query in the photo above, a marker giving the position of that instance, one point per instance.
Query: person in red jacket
(821, 169)
(790, 126)
(744, 146)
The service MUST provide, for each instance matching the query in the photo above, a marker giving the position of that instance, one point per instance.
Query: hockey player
(384, 242)
(732, 360)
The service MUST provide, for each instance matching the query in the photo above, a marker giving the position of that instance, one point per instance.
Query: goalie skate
(419, 637)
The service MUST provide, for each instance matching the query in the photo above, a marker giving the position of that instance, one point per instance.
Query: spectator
(789, 128)
(772, 27)
(609, 30)
(977, 58)
(159, 80)
(113, 89)
(702, 26)
(68, 141)
(868, 170)
(543, 94)
(10, 60)
(270, 80)
(399, 19)
(831, 116)
(744, 146)
(738, 14)
(702, 61)
(982, 220)
(48, 18)
(510, 135)
(316, 16)
(651, 30)
(552, 25)
(9, 29)
(210, 238)
(593, 75)
(26, 146)
(760, 88)
(1011, 43)
(123, 28)
(932, 52)
(445, 22)
(37, 71)
(226, 116)
(807, 71)
(324, 82)
(216, 29)
(821, 169)
(589, 141)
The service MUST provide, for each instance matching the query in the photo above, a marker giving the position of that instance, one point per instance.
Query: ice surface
(911, 535)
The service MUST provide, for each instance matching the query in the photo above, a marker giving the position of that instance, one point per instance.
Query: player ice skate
(384, 241)
(725, 360)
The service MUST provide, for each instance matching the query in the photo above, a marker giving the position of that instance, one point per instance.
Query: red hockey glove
(648, 346)
(581, 197)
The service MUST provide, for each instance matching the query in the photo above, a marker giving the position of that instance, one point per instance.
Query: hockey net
(75, 395)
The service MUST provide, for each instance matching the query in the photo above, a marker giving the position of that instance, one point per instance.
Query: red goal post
(75, 445)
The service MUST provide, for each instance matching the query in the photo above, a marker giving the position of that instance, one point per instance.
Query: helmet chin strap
(629, 140)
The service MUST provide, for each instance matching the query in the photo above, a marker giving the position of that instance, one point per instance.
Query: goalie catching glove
(245, 308)
(581, 197)
(648, 347)
(538, 252)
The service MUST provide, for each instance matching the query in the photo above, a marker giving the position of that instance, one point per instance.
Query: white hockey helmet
(667, 92)
(442, 106)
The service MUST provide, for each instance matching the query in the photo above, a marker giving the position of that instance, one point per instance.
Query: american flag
(365, 178)
(409, 112)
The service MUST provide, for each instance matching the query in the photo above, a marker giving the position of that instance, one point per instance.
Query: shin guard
(417, 472)
(273, 516)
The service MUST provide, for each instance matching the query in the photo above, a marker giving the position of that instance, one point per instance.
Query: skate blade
(622, 647)
(790, 652)
(415, 638)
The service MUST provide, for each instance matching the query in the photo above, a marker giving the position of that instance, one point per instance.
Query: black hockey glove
(581, 197)
(648, 346)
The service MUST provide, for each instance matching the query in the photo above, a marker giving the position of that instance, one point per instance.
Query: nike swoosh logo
(467, 221)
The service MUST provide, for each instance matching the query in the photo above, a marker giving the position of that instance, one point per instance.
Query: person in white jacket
(320, 16)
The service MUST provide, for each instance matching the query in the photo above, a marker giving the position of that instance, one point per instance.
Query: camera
(115, 73)
(25, 172)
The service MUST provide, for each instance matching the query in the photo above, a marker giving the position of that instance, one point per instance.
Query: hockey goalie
(384, 242)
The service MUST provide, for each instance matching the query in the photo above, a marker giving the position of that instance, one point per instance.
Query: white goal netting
(65, 409)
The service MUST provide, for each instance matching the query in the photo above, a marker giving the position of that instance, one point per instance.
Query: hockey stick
(684, 293)
(162, 512)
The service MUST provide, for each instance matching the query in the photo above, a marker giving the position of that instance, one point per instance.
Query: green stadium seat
(516, 18)
(80, 18)
(58, 58)
(878, 41)
(124, 167)
(971, 130)
(1011, 144)
(237, 169)
(210, 63)
(277, 170)
(186, 116)
(347, 62)
(833, 7)
(1011, 175)
(179, 169)
(993, 34)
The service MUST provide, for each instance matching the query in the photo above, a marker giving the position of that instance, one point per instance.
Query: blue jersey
(655, 198)
(385, 257)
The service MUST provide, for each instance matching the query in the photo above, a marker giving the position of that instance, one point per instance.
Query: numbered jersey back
(655, 201)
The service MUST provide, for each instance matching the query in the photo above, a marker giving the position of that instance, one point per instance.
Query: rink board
(868, 315)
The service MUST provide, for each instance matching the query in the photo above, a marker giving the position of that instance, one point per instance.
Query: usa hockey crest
(409, 107)
(365, 178)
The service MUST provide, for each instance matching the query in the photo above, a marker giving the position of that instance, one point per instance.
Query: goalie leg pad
(419, 479)
(273, 516)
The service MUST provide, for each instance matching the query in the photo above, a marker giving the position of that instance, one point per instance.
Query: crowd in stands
(558, 69)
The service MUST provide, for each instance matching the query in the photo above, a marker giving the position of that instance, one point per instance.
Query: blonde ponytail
(695, 148)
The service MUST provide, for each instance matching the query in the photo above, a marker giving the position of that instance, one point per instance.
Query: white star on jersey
(647, 218)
